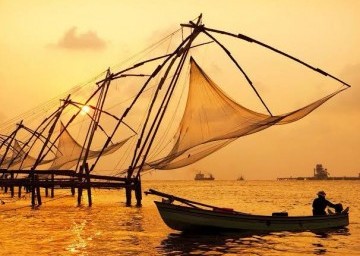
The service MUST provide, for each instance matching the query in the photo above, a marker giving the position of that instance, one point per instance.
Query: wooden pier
(32, 181)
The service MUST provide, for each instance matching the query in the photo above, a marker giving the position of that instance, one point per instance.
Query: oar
(183, 200)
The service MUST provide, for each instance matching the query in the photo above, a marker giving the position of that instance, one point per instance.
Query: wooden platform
(31, 181)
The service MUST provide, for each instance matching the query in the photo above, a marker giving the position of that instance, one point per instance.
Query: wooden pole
(5, 187)
(128, 189)
(42, 152)
(32, 188)
(80, 188)
(47, 188)
(11, 138)
(128, 194)
(52, 185)
(86, 167)
(12, 186)
(73, 186)
(138, 194)
(151, 133)
(19, 191)
(252, 40)
(38, 194)
(240, 68)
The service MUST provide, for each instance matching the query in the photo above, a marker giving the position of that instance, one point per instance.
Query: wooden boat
(198, 216)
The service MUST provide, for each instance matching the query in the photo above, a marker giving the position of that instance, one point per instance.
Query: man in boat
(319, 204)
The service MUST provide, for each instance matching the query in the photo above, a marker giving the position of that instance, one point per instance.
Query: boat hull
(184, 218)
(204, 178)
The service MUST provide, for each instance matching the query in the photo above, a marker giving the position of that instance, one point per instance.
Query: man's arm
(330, 204)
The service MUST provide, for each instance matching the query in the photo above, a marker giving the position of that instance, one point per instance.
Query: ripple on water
(108, 228)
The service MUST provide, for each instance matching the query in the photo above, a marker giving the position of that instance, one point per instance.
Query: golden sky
(48, 47)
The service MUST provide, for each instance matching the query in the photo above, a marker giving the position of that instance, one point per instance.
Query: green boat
(196, 216)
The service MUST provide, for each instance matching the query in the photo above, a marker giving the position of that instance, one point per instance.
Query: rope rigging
(167, 73)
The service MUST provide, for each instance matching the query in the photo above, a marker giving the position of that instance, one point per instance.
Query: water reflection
(246, 243)
(109, 228)
(327, 236)
(96, 230)
(211, 243)
(79, 242)
(326, 233)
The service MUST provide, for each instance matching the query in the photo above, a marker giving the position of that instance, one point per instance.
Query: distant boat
(240, 178)
(202, 176)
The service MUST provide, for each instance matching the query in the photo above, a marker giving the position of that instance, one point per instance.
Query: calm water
(109, 228)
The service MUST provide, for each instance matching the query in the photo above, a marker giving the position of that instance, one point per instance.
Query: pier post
(128, 185)
(128, 192)
(19, 191)
(52, 185)
(73, 183)
(72, 187)
(138, 195)
(5, 187)
(47, 188)
(12, 184)
(88, 184)
(32, 188)
(80, 185)
(38, 194)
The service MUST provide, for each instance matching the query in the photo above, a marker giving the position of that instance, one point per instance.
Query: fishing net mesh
(212, 120)
(69, 151)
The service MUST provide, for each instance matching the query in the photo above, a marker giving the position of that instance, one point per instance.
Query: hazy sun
(85, 110)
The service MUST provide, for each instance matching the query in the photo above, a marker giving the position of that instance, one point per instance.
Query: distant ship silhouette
(202, 176)
(321, 173)
(240, 178)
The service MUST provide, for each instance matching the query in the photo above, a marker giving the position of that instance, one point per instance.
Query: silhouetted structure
(202, 176)
(210, 120)
(321, 173)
